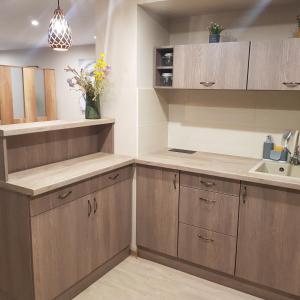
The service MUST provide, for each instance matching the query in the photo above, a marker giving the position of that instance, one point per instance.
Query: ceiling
(177, 8)
(16, 31)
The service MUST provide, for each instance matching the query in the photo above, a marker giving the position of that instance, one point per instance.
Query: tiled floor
(139, 279)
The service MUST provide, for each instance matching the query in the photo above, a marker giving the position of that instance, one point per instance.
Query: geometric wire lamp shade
(59, 34)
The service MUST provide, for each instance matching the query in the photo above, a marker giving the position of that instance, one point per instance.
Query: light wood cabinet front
(275, 65)
(157, 209)
(209, 210)
(61, 240)
(112, 221)
(207, 248)
(211, 66)
(268, 251)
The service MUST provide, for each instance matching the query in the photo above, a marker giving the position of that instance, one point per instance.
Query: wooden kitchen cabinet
(268, 251)
(157, 209)
(61, 247)
(211, 66)
(112, 221)
(275, 65)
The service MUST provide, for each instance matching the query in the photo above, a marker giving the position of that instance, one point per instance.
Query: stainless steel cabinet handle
(207, 201)
(209, 240)
(244, 194)
(64, 195)
(175, 181)
(206, 183)
(89, 208)
(114, 177)
(207, 83)
(95, 205)
(291, 84)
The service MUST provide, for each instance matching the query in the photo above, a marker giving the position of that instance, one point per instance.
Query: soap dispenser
(268, 147)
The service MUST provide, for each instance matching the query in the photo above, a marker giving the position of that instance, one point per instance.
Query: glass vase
(92, 107)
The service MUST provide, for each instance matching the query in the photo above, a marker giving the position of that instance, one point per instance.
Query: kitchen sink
(277, 169)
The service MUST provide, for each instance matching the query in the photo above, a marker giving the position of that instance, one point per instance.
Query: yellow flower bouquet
(91, 84)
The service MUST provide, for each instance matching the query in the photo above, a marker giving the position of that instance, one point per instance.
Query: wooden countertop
(225, 166)
(43, 179)
(26, 128)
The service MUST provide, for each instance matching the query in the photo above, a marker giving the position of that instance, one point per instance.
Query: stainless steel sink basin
(277, 169)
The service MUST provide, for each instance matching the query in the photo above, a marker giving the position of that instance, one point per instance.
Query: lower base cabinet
(268, 251)
(157, 209)
(250, 231)
(68, 241)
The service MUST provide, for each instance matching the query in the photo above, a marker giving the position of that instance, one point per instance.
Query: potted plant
(215, 32)
(298, 19)
(91, 84)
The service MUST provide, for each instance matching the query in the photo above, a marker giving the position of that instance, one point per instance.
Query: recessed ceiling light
(95, 37)
(35, 23)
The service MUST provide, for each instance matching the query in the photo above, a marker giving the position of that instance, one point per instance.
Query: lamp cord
(58, 4)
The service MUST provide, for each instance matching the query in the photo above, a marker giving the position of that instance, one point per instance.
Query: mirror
(33, 82)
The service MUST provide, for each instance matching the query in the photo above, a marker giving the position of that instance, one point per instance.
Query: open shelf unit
(161, 67)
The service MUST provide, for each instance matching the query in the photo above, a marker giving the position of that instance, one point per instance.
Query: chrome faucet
(295, 158)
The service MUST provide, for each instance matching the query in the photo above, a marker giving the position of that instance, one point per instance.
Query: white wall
(117, 37)
(152, 110)
(117, 32)
(231, 122)
(67, 100)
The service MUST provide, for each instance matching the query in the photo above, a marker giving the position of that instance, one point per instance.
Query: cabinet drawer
(209, 210)
(70, 193)
(209, 249)
(105, 180)
(210, 183)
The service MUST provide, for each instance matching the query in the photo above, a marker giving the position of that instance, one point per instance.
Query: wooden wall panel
(106, 138)
(29, 94)
(33, 150)
(50, 94)
(6, 97)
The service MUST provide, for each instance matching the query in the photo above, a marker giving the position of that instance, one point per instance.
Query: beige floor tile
(139, 279)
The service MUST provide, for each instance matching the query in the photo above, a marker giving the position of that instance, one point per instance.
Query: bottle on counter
(268, 147)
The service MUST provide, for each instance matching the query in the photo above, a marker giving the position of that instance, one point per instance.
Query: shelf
(163, 87)
(180, 8)
(164, 68)
(27, 128)
(46, 178)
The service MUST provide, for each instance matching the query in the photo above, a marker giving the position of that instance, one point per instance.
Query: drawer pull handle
(95, 205)
(114, 177)
(208, 240)
(175, 181)
(207, 83)
(292, 84)
(244, 194)
(64, 195)
(89, 208)
(208, 184)
(207, 201)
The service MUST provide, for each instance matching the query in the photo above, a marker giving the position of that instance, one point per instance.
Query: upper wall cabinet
(275, 65)
(211, 66)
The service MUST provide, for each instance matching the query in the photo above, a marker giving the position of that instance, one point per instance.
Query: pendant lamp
(59, 34)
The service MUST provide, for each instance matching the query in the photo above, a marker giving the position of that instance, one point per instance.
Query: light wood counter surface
(46, 178)
(26, 128)
(226, 166)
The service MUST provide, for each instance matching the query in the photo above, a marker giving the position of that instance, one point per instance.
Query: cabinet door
(268, 251)
(61, 247)
(157, 209)
(275, 65)
(112, 221)
(211, 66)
